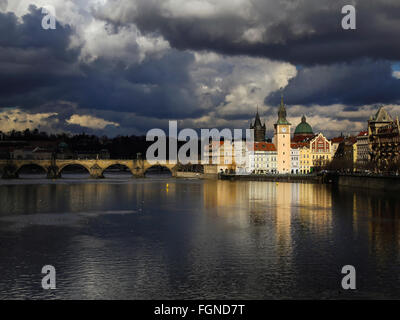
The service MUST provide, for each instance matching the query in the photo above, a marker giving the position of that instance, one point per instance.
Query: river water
(162, 238)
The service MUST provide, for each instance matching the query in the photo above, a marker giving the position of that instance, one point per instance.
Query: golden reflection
(260, 196)
(252, 202)
(283, 216)
(257, 203)
(228, 200)
(220, 194)
(315, 207)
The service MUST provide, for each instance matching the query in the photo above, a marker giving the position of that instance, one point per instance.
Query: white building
(242, 157)
(263, 159)
(295, 160)
(227, 156)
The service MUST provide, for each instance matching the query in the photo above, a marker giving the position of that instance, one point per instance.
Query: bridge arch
(22, 167)
(116, 165)
(166, 168)
(73, 164)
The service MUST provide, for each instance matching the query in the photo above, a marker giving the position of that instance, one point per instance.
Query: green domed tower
(303, 131)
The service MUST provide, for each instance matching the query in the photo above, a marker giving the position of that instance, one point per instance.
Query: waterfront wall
(189, 175)
(367, 182)
(384, 183)
(210, 172)
(277, 178)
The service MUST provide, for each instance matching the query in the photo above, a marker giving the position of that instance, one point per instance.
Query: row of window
(267, 166)
(264, 158)
(321, 157)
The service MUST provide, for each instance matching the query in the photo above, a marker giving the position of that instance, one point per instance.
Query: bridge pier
(10, 172)
(53, 172)
(96, 176)
(96, 172)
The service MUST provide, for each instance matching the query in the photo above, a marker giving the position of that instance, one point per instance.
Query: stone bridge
(9, 169)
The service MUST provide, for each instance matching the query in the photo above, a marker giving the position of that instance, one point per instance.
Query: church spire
(257, 122)
(259, 128)
(282, 113)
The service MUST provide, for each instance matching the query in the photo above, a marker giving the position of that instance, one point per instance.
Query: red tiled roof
(264, 146)
(300, 145)
(363, 133)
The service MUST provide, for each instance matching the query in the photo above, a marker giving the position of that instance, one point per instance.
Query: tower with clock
(282, 141)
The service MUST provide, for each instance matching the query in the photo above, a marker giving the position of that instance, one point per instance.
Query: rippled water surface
(161, 238)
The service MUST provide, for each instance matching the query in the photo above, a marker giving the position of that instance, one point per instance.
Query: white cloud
(90, 122)
(17, 119)
(235, 85)
(203, 8)
(127, 44)
(254, 35)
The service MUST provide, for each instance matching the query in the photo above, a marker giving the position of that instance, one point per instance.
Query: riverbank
(311, 178)
(384, 183)
(189, 175)
(372, 182)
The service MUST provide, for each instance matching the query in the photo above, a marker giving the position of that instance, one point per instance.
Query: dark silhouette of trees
(120, 147)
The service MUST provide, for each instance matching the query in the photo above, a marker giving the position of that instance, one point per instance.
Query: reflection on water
(124, 238)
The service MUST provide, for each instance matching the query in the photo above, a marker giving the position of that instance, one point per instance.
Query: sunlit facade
(320, 148)
(264, 158)
(305, 162)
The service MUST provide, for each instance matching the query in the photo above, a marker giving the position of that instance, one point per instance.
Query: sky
(123, 67)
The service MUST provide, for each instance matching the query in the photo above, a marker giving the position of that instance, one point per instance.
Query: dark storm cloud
(297, 31)
(33, 62)
(38, 66)
(159, 88)
(358, 83)
(41, 72)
